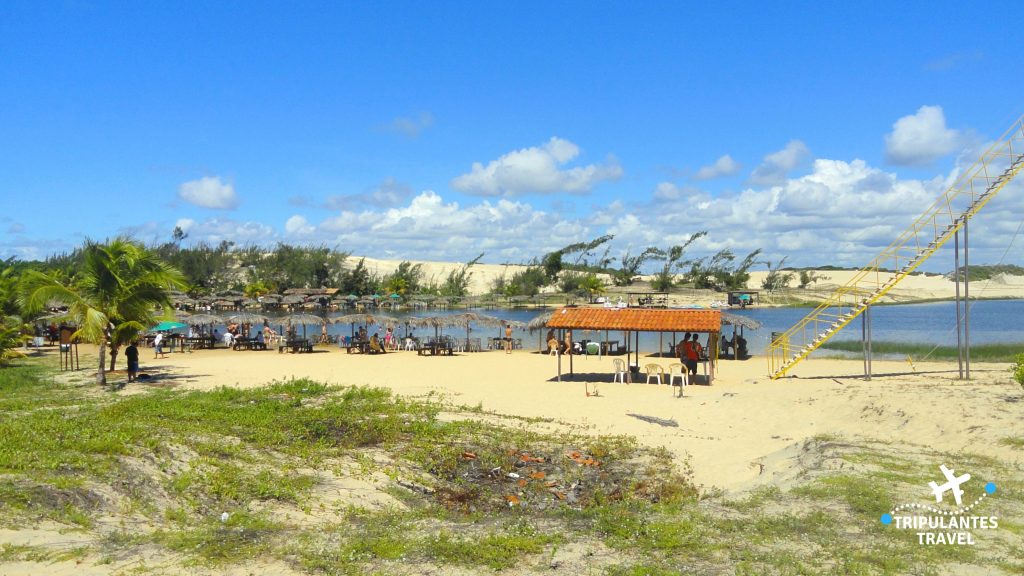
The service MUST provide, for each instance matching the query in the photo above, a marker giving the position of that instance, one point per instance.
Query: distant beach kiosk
(742, 298)
(632, 321)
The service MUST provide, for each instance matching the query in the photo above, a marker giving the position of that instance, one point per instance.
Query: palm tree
(114, 296)
(592, 285)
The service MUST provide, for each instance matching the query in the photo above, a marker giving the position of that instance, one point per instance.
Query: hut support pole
(559, 354)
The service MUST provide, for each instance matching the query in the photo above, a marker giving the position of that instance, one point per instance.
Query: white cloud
(388, 193)
(777, 165)
(298, 226)
(209, 192)
(724, 166)
(921, 138)
(216, 230)
(536, 170)
(410, 127)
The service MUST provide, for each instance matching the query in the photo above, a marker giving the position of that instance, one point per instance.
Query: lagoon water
(932, 323)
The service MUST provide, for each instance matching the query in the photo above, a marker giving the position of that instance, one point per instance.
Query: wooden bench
(294, 346)
(435, 349)
(358, 346)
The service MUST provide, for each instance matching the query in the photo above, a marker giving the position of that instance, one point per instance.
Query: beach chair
(677, 370)
(654, 371)
(620, 370)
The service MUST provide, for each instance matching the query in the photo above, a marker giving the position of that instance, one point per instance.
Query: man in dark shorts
(692, 354)
(131, 353)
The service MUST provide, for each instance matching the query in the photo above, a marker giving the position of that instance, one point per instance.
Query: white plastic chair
(620, 370)
(677, 370)
(654, 371)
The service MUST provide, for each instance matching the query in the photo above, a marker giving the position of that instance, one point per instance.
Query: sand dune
(916, 287)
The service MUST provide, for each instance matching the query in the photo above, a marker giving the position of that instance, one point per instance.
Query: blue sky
(439, 130)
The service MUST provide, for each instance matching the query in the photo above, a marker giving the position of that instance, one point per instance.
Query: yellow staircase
(975, 187)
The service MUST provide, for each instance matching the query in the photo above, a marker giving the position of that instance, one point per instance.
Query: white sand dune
(915, 287)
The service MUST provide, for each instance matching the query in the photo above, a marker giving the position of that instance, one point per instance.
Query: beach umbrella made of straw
(246, 318)
(303, 319)
(202, 319)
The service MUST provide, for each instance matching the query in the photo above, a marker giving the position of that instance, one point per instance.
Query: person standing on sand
(568, 341)
(158, 345)
(508, 338)
(690, 349)
(131, 353)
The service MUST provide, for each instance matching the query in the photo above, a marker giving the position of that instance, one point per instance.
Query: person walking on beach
(158, 345)
(508, 338)
(131, 353)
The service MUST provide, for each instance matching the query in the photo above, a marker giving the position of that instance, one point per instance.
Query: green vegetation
(718, 272)
(112, 298)
(776, 279)
(226, 477)
(919, 351)
(808, 277)
(665, 278)
(1018, 369)
(987, 272)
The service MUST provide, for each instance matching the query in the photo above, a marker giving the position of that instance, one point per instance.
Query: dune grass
(922, 351)
(483, 497)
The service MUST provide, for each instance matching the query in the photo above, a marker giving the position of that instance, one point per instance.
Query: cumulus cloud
(921, 138)
(209, 192)
(216, 230)
(724, 166)
(536, 170)
(388, 193)
(16, 228)
(775, 166)
(839, 213)
(410, 127)
(298, 226)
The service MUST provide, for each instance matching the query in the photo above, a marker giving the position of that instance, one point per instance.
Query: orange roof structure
(638, 319)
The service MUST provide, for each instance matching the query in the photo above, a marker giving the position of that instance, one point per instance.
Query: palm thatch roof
(739, 320)
(302, 318)
(202, 319)
(246, 318)
(378, 319)
(539, 322)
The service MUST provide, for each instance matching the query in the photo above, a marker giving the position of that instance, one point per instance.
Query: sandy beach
(741, 432)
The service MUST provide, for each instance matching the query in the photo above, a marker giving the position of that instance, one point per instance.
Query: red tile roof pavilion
(638, 319)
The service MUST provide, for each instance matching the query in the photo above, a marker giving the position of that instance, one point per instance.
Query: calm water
(933, 323)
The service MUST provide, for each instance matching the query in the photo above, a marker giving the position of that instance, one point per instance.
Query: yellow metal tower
(975, 187)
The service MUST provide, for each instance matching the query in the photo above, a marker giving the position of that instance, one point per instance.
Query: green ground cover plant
(923, 351)
(209, 479)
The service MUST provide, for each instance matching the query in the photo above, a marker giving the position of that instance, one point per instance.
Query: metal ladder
(969, 194)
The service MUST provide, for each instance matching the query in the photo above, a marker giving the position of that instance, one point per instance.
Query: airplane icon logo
(952, 484)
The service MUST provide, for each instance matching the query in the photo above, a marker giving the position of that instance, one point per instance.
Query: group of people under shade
(375, 344)
(562, 347)
(690, 352)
